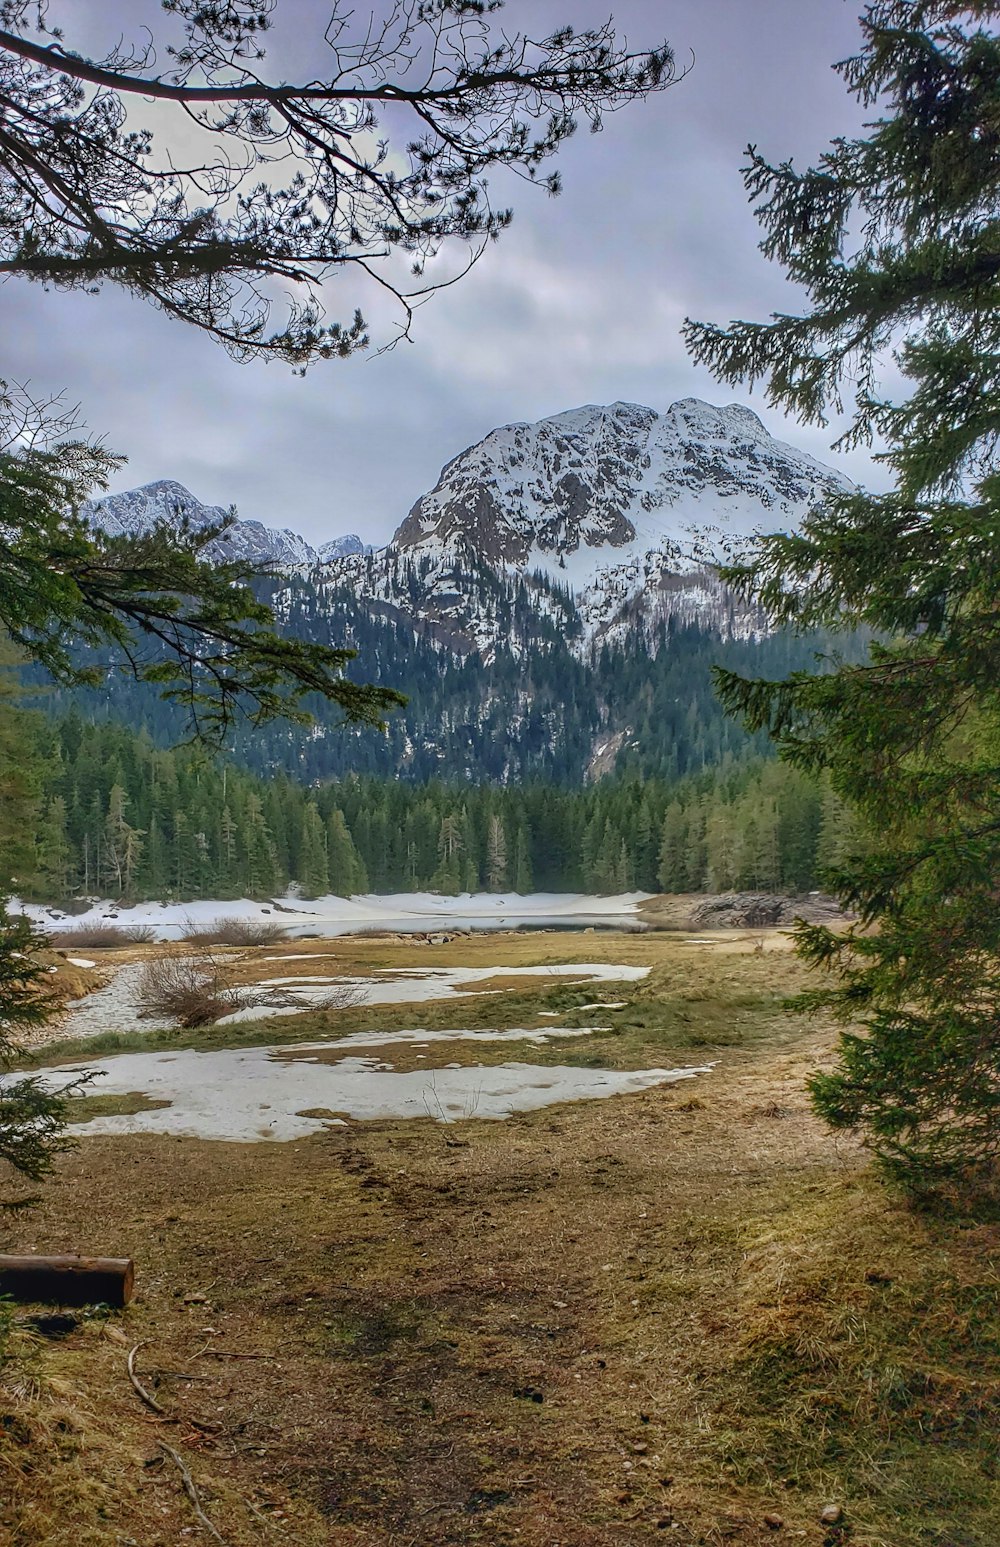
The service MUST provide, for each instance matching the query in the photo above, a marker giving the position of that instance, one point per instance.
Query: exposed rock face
(609, 478)
(620, 506)
(763, 910)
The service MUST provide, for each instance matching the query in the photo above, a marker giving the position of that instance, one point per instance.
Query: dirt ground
(690, 1315)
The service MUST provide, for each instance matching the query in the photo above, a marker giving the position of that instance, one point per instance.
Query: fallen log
(68, 1280)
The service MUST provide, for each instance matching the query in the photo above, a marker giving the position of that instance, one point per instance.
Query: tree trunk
(68, 1280)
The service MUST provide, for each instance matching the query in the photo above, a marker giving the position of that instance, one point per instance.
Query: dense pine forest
(98, 810)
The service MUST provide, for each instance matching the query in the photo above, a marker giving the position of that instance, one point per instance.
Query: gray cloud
(580, 302)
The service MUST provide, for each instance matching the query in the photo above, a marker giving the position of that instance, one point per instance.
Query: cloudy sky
(581, 302)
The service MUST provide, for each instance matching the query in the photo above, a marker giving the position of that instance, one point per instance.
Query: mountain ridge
(600, 522)
(133, 512)
(618, 506)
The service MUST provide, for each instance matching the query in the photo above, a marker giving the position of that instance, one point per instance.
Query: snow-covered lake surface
(254, 1094)
(401, 912)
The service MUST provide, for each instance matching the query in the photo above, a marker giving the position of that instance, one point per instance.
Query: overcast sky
(581, 302)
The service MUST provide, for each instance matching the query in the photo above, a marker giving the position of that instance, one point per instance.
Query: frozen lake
(400, 913)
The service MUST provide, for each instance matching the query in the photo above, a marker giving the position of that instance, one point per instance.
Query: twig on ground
(161, 1412)
(187, 1482)
(149, 1400)
(224, 1353)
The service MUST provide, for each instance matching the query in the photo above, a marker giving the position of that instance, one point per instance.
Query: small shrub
(235, 931)
(140, 934)
(342, 996)
(92, 937)
(190, 990)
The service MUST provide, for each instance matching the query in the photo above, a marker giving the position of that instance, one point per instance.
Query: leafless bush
(342, 996)
(99, 937)
(235, 931)
(102, 937)
(191, 990)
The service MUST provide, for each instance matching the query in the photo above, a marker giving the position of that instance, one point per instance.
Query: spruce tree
(895, 238)
(313, 872)
(347, 871)
(496, 855)
(522, 868)
(672, 872)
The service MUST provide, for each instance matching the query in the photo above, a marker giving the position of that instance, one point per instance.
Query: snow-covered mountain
(342, 548)
(522, 605)
(621, 506)
(593, 526)
(138, 510)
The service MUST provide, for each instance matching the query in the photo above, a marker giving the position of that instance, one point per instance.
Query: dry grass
(725, 1318)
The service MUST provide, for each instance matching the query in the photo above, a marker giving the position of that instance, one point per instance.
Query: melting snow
(416, 985)
(249, 1094)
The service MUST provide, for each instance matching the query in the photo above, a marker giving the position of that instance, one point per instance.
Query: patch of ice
(111, 1008)
(80, 961)
(383, 1038)
(249, 1094)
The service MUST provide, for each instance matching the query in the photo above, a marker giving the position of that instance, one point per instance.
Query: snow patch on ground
(114, 1007)
(416, 985)
(252, 1094)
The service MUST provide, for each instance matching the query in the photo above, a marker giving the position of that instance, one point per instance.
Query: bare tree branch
(388, 155)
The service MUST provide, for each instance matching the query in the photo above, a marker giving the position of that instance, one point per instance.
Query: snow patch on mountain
(341, 548)
(591, 526)
(598, 485)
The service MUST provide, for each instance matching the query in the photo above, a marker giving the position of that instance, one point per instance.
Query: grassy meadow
(687, 1315)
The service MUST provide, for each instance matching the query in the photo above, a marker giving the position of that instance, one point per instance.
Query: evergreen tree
(54, 874)
(451, 846)
(346, 869)
(122, 844)
(496, 855)
(672, 872)
(313, 871)
(522, 873)
(32, 1116)
(895, 236)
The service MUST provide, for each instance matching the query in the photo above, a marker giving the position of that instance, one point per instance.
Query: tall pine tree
(895, 237)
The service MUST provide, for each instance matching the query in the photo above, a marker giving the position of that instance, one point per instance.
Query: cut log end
(68, 1280)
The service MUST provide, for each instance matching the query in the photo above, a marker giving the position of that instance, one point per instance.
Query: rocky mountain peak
(598, 482)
